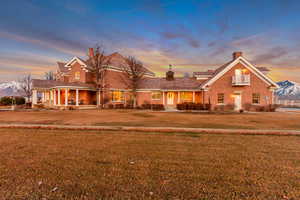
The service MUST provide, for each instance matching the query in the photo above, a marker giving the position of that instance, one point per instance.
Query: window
(186, 96)
(156, 96)
(220, 98)
(255, 98)
(117, 96)
(77, 75)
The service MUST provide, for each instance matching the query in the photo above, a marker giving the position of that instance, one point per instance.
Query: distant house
(237, 82)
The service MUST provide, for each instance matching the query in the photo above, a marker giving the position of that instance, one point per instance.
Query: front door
(237, 102)
(170, 98)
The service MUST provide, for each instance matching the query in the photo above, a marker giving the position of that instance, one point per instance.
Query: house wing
(225, 68)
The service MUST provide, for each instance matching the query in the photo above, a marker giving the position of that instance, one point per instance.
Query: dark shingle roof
(177, 84)
(263, 69)
(61, 67)
(39, 83)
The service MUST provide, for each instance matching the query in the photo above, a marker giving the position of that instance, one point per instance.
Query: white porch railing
(241, 80)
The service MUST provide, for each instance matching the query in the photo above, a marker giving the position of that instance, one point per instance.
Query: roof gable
(225, 68)
(80, 61)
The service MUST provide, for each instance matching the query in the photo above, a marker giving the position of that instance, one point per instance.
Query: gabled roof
(61, 67)
(179, 83)
(117, 61)
(226, 67)
(79, 60)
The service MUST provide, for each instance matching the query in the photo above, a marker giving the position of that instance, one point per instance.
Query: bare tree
(49, 75)
(97, 65)
(26, 85)
(133, 73)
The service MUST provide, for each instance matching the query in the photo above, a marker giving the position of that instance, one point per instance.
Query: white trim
(66, 96)
(77, 97)
(83, 65)
(58, 97)
(248, 65)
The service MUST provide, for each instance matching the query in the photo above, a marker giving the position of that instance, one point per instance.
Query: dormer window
(77, 75)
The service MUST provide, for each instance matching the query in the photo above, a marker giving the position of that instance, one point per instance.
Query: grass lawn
(276, 120)
(48, 164)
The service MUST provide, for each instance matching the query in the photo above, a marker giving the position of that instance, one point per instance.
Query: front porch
(66, 97)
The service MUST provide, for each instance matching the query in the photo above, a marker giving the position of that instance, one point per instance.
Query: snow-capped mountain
(288, 90)
(12, 88)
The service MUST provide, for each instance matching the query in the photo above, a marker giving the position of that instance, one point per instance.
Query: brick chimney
(237, 54)
(91, 52)
(170, 74)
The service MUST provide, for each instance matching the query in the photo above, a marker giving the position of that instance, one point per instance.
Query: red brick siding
(224, 85)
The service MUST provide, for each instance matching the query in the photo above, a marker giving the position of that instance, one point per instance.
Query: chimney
(170, 74)
(237, 54)
(91, 52)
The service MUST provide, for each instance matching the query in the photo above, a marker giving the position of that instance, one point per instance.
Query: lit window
(255, 98)
(77, 75)
(156, 95)
(117, 96)
(186, 96)
(220, 98)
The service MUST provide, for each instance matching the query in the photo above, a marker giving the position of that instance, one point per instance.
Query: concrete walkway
(154, 129)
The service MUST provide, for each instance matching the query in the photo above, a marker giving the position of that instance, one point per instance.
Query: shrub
(229, 107)
(158, 107)
(219, 108)
(5, 101)
(191, 106)
(207, 106)
(20, 100)
(119, 106)
(146, 106)
(129, 106)
(248, 106)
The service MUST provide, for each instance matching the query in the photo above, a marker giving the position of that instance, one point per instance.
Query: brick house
(235, 83)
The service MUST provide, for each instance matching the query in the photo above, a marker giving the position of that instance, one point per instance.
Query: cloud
(180, 32)
(271, 55)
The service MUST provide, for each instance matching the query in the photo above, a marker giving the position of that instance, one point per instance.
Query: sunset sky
(192, 35)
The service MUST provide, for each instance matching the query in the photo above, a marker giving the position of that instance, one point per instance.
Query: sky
(192, 35)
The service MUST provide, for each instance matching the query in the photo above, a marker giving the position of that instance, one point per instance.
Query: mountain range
(288, 90)
(12, 88)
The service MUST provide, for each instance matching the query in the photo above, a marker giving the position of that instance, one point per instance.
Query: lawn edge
(154, 129)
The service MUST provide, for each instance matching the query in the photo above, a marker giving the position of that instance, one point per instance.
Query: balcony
(241, 80)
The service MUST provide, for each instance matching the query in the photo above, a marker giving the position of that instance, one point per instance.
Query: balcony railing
(241, 80)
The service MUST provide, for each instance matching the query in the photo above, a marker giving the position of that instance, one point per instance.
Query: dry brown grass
(99, 165)
(277, 120)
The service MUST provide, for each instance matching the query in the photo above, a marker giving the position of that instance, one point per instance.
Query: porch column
(163, 98)
(77, 97)
(66, 97)
(193, 96)
(54, 99)
(58, 96)
(98, 98)
(51, 97)
(178, 98)
(43, 97)
(34, 97)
